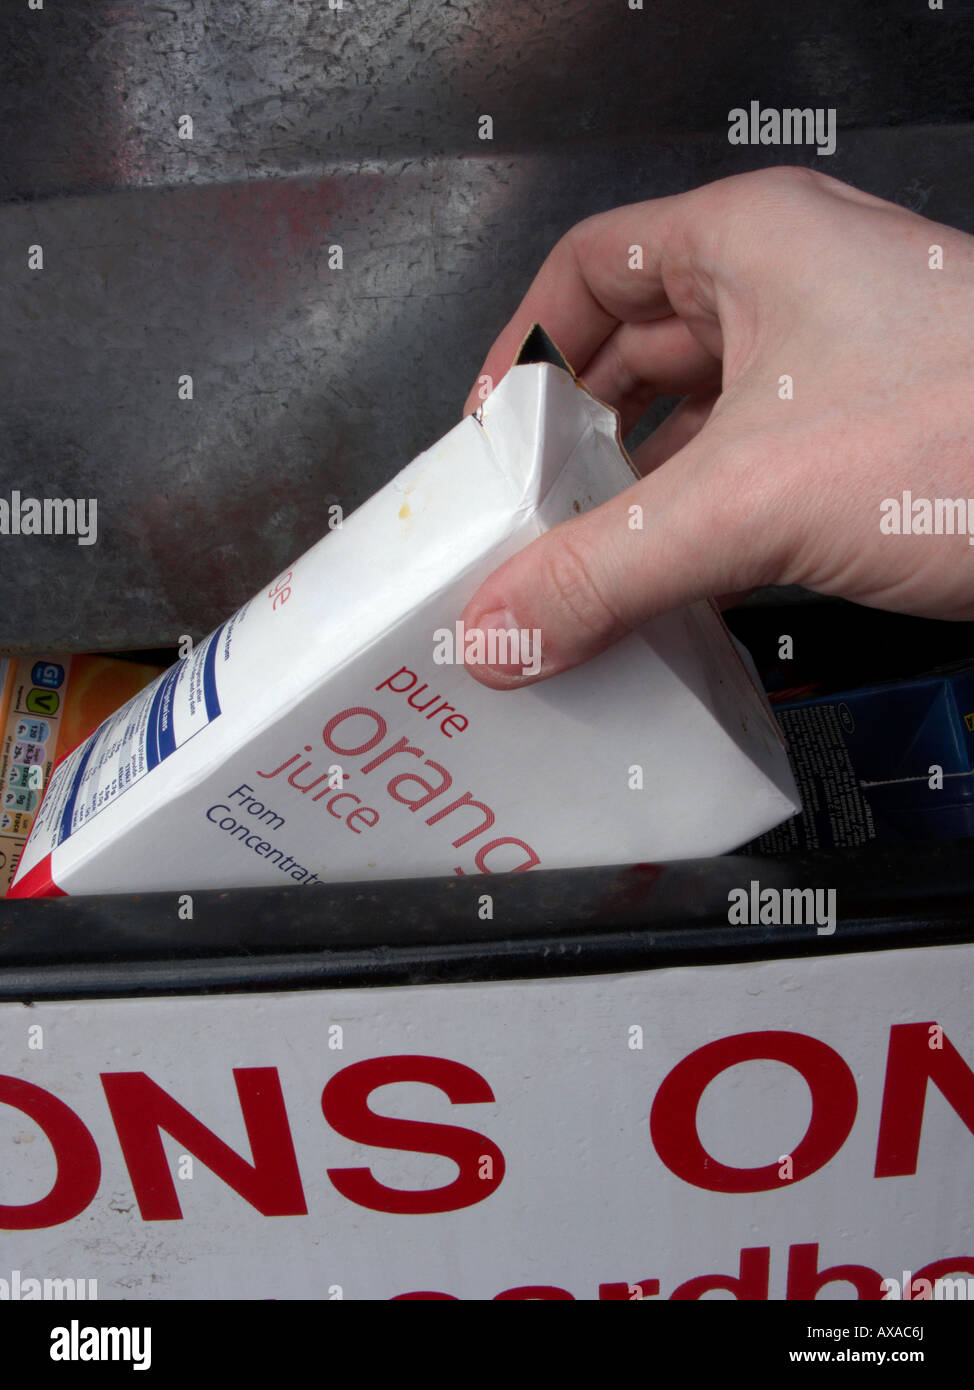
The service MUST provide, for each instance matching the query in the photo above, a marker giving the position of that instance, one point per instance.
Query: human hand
(745, 284)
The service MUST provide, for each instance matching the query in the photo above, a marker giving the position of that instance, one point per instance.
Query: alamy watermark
(77, 1343)
(777, 907)
(50, 516)
(789, 125)
(24, 1288)
(925, 516)
(493, 646)
(919, 1290)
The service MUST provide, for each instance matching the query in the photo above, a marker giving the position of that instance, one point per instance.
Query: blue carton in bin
(892, 762)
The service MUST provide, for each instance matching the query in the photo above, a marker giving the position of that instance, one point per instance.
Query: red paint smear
(262, 225)
(632, 888)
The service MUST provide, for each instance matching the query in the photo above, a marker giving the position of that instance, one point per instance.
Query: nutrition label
(142, 734)
(30, 703)
(835, 810)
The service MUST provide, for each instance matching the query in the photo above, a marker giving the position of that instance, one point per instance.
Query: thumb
(695, 527)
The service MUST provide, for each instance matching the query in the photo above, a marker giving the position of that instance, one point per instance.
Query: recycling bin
(244, 287)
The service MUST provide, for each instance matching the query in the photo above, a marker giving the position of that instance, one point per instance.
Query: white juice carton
(323, 733)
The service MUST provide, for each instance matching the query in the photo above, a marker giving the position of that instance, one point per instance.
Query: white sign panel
(785, 1129)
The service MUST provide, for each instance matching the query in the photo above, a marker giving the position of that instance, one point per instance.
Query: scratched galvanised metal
(355, 127)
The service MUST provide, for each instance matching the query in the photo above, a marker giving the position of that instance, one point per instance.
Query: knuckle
(787, 178)
(780, 193)
(746, 208)
(582, 237)
(568, 575)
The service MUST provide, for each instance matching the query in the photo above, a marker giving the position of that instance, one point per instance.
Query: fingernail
(498, 642)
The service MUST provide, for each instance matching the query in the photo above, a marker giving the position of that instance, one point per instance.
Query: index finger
(605, 271)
